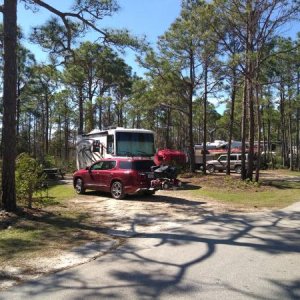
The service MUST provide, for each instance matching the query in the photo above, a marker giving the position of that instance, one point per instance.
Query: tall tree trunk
(298, 122)
(9, 105)
(270, 143)
(282, 118)
(190, 113)
(18, 108)
(109, 114)
(90, 116)
(259, 126)
(251, 132)
(66, 139)
(168, 143)
(205, 115)
(243, 131)
(34, 136)
(291, 157)
(80, 128)
(29, 133)
(250, 69)
(291, 154)
(90, 109)
(191, 138)
(47, 123)
(263, 130)
(233, 94)
(60, 143)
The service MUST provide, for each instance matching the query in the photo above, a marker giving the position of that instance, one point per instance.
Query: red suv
(119, 176)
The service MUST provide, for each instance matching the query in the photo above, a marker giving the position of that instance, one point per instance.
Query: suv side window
(127, 165)
(107, 165)
(223, 158)
(97, 166)
(103, 165)
(233, 157)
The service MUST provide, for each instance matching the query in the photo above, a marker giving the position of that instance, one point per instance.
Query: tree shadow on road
(154, 277)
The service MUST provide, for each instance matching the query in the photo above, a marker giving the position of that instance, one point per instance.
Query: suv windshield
(138, 165)
(223, 158)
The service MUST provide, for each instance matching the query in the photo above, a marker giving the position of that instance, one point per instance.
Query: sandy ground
(121, 219)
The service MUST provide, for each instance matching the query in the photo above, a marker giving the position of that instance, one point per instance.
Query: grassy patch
(54, 194)
(260, 199)
(42, 233)
(17, 241)
(288, 172)
(232, 190)
(54, 224)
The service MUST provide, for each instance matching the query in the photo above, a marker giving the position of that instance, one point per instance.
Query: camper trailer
(115, 142)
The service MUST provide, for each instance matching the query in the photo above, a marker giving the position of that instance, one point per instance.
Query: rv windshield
(134, 144)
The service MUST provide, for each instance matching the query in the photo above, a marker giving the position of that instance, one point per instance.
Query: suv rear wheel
(210, 168)
(238, 169)
(117, 190)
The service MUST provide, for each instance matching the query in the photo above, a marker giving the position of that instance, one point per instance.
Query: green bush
(48, 161)
(29, 177)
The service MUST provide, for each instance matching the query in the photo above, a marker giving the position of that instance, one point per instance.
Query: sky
(150, 18)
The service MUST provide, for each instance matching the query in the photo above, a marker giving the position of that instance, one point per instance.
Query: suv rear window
(234, 157)
(138, 165)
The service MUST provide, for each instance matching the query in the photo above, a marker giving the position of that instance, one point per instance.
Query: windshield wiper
(143, 152)
(126, 153)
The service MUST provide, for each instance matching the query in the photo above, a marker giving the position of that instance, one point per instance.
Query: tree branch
(64, 16)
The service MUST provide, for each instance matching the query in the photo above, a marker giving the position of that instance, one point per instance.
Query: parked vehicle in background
(213, 151)
(118, 176)
(220, 164)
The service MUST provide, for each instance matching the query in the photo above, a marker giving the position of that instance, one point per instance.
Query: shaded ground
(214, 256)
(102, 223)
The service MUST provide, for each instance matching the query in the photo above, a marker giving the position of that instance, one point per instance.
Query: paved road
(226, 256)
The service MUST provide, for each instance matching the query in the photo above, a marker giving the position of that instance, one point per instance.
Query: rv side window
(110, 144)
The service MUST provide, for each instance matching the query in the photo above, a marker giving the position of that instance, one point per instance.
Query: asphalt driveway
(213, 256)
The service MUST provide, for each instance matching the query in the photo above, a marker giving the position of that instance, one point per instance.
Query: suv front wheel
(117, 190)
(210, 168)
(79, 186)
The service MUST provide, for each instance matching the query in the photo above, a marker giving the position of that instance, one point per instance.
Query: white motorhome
(116, 142)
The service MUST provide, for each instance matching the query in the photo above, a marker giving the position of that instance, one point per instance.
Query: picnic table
(53, 173)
